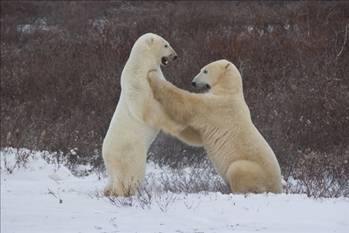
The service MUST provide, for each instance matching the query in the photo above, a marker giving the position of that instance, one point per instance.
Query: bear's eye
(166, 46)
(205, 71)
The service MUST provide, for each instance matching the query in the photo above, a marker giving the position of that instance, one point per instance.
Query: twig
(53, 194)
(345, 40)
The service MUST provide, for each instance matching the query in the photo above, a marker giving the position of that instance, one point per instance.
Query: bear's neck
(234, 91)
(140, 60)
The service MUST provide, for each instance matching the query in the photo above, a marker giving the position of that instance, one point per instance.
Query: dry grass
(60, 81)
(163, 181)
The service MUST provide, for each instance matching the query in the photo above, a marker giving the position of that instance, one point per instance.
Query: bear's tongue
(164, 61)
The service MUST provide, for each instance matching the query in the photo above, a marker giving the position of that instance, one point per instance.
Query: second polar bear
(134, 124)
(222, 118)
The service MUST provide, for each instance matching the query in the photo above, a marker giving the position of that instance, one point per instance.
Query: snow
(39, 25)
(38, 196)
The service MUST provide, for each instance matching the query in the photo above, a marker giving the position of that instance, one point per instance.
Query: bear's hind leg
(245, 176)
(125, 177)
(110, 188)
(121, 187)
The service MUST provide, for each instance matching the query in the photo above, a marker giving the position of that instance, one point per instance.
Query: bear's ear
(227, 66)
(150, 40)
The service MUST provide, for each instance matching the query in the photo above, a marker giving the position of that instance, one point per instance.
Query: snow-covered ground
(37, 196)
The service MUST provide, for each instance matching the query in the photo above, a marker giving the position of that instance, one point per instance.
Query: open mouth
(164, 61)
(201, 87)
(204, 88)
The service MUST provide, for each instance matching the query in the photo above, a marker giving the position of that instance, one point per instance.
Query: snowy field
(37, 196)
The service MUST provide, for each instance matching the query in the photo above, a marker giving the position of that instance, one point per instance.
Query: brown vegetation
(60, 75)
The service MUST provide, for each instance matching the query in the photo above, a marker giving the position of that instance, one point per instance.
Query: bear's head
(156, 48)
(219, 76)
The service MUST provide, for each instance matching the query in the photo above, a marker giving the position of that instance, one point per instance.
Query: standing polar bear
(134, 124)
(222, 118)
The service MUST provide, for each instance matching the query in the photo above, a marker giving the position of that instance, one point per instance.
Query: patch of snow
(25, 28)
(270, 28)
(287, 26)
(43, 197)
(99, 24)
(261, 32)
(39, 25)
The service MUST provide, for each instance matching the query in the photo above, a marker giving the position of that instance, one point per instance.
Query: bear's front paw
(153, 73)
(153, 78)
(153, 70)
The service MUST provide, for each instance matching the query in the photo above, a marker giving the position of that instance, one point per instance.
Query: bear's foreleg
(179, 104)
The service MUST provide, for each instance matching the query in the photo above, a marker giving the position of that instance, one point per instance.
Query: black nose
(193, 84)
(174, 57)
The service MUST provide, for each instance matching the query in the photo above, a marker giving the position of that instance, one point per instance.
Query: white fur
(130, 134)
(223, 122)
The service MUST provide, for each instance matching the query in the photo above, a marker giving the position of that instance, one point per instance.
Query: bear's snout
(173, 56)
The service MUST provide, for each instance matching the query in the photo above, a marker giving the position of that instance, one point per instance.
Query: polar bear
(134, 124)
(222, 118)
